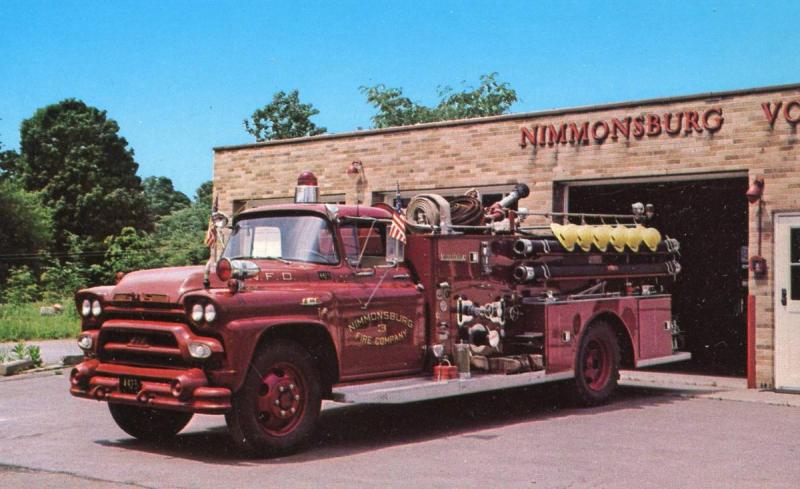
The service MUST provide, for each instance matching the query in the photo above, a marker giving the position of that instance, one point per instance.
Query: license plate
(130, 385)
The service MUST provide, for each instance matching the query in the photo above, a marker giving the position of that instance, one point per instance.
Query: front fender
(243, 336)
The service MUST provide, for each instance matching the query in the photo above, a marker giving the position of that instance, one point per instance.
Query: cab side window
(366, 242)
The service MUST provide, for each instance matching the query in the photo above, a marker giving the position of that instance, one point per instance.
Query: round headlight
(86, 307)
(96, 308)
(85, 342)
(210, 313)
(197, 313)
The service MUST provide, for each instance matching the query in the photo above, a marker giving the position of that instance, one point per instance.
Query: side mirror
(395, 250)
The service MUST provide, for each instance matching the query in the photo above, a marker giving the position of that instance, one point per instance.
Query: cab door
(382, 318)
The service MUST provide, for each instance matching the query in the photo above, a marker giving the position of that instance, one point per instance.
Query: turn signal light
(199, 350)
(85, 342)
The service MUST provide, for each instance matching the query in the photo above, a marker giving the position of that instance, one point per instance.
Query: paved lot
(525, 438)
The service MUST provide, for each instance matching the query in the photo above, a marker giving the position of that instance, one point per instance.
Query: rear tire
(276, 410)
(596, 365)
(147, 423)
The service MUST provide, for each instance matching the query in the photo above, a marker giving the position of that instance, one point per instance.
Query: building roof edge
(515, 116)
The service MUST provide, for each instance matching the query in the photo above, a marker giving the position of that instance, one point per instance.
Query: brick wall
(488, 152)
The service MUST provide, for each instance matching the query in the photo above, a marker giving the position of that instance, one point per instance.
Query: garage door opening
(709, 218)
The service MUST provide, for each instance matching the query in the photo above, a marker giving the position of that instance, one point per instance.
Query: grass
(23, 322)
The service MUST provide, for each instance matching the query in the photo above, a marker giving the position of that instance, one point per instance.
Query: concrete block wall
(487, 151)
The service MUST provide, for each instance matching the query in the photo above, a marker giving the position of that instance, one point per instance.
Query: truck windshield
(295, 238)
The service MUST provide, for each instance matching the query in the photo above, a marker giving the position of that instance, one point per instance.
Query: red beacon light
(224, 269)
(307, 191)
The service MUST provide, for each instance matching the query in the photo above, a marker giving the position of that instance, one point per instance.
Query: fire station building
(722, 170)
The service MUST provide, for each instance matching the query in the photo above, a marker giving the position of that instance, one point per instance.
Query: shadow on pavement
(345, 430)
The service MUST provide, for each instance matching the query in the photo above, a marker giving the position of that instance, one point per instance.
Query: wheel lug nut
(281, 389)
(293, 410)
(283, 413)
(297, 397)
(291, 386)
(277, 402)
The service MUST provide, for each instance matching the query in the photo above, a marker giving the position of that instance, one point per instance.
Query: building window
(489, 194)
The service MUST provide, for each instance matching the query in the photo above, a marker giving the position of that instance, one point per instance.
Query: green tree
(285, 117)
(394, 109)
(20, 288)
(86, 172)
(61, 279)
(8, 160)
(162, 198)
(127, 251)
(204, 194)
(25, 224)
(180, 236)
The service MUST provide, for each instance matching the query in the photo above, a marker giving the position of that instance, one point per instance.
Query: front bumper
(180, 390)
(148, 364)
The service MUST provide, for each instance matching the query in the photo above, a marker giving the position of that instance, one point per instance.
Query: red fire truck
(366, 304)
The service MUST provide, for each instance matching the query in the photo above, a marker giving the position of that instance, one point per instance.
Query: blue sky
(180, 77)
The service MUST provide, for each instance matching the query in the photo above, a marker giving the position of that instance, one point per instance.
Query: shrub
(20, 287)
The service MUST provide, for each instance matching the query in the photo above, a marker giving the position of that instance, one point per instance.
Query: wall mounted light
(756, 190)
(356, 172)
(356, 169)
(758, 264)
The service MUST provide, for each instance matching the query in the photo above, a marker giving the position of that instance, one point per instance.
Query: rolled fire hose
(466, 211)
(430, 209)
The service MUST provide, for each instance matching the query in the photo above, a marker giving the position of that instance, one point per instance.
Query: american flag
(398, 228)
(211, 232)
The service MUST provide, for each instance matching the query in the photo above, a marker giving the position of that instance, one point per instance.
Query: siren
(307, 190)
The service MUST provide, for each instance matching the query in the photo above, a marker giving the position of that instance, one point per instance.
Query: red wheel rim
(597, 365)
(282, 399)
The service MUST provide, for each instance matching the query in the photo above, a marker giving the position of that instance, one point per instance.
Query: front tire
(596, 365)
(147, 423)
(276, 410)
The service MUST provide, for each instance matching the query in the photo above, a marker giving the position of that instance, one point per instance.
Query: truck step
(425, 388)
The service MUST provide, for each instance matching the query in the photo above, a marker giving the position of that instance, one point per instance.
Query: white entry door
(787, 302)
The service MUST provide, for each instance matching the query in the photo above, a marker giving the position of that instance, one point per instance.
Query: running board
(679, 356)
(425, 388)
